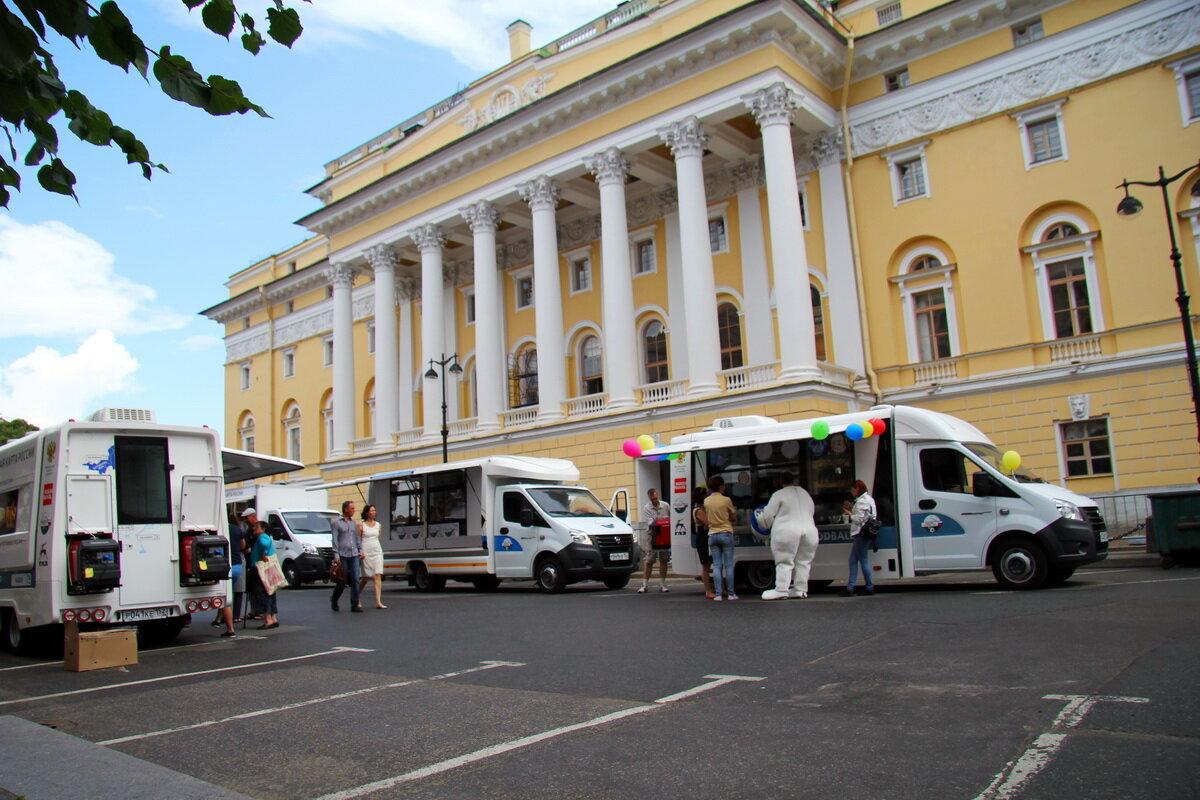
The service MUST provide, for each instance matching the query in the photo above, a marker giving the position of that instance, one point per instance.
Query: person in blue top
(262, 546)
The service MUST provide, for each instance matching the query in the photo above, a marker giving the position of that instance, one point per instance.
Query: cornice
(235, 308)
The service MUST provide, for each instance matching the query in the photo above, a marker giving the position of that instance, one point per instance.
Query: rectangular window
(888, 14)
(910, 175)
(524, 292)
(469, 310)
(716, 235)
(370, 338)
(293, 442)
(248, 443)
(803, 208)
(143, 473)
(289, 364)
(1069, 301)
(1045, 140)
(407, 502)
(1191, 85)
(1086, 447)
(14, 514)
(244, 376)
(289, 306)
(896, 80)
(581, 274)
(643, 262)
(933, 325)
(1027, 32)
(447, 494)
(327, 351)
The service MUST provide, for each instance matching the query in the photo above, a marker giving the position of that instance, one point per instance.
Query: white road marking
(263, 712)
(1010, 780)
(185, 675)
(526, 741)
(140, 652)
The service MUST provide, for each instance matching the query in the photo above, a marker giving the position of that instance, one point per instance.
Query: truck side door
(950, 525)
(515, 534)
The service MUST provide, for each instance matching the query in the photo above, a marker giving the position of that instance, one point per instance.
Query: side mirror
(526, 518)
(982, 485)
(622, 514)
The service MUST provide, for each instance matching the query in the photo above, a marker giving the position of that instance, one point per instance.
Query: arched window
(818, 321)
(591, 371)
(729, 326)
(291, 431)
(926, 283)
(933, 324)
(924, 262)
(527, 378)
(246, 432)
(654, 352)
(1060, 231)
(1064, 264)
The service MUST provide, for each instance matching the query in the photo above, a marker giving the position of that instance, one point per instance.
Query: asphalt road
(950, 688)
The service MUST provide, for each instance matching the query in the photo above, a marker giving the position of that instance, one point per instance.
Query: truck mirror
(622, 514)
(982, 485)
(526, 518)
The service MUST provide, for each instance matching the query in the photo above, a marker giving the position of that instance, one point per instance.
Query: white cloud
(58, 281)
(45, 386)
(200, 342)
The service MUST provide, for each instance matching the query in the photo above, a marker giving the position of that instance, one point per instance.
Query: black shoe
(229, 635)
(356, 608)
(847, 592)
(334, 606)
(864, 591)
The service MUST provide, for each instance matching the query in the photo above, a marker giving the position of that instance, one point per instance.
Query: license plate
(618, 557)
(1104, 536)
(139, 614)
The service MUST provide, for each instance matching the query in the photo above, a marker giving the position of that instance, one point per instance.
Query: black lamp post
(1130, 206)
(432, 375)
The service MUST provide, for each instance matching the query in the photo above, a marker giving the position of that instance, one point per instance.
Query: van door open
(516, 534)
(950, 525)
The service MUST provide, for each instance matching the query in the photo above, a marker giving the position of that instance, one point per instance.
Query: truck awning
(242, 465)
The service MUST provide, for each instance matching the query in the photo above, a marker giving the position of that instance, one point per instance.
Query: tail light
(69, 615)
(99, 614)
(85, 615)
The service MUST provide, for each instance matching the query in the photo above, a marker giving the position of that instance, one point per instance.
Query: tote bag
(270, 574)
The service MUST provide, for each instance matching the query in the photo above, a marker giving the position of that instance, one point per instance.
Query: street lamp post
(1130, 206)
(432, 375)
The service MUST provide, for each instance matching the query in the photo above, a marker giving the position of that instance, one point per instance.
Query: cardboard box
(98, 649)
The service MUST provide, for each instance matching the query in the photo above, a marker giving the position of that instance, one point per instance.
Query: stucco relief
(292, 332)
(504, 101)
(243, 348)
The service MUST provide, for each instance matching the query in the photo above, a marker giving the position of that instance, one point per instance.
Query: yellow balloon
(646, 441)
(867, 428)
(1010, 460)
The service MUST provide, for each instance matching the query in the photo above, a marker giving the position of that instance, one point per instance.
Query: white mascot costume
(789, 515)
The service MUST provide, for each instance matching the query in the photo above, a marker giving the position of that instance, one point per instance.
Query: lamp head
(1129, 206)
(431, 374)
(455, 369)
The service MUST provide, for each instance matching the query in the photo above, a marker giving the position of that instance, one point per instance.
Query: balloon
(868, 430)
(756, 524)
(631, 448)
(879, 425)
(854, 432)
(646, 442)
(820, 429)
(1010, 460)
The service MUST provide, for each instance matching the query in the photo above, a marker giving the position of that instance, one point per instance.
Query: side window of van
(514, 504)
(275, 528)
(946, 470)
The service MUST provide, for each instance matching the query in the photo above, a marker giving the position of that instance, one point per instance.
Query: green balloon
(820, 429)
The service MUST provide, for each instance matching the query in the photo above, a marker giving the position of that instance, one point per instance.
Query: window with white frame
(729, 334)
(591, 371)
(327, 351)
(644, 261)
(927, 293)
(1027, 32)
(327, 424)
(244, 375)
(1042, 137)
(908, 173)
(289, 306)
(887, 14)
(894, 81)
(718, 242)
(932, 324)
(581, 273)
(1069, 301)
(1187, 81)
(802, 188)
(246, 433)
(469, 306)
(291, 431)
(1086, 447)
(818, 313)
(370, 337)
(370, 418)
(1064, 266)
(245, 323)
(288, 365)
(523, 289)
(654, 352)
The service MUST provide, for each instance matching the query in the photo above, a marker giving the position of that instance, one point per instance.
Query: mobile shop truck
(300, 522)
(944, 499)
(113, 520)
(498, 518)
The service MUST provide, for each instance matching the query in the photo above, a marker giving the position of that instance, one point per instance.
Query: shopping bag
(270, 574)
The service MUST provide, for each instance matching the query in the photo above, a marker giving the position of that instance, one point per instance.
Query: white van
(498, 518)
(945, 501)
(298, 519)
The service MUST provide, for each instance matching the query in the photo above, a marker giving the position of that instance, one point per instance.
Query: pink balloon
(631, 448)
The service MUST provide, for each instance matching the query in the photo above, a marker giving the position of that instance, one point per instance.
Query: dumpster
(1176, 518)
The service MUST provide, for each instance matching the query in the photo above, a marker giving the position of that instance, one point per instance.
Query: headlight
(311, 549)
(1069, 510)
(580, 537)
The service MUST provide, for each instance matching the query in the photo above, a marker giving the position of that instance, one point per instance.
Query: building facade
(691, 209)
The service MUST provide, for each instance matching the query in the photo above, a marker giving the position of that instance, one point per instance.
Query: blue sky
(102, 296)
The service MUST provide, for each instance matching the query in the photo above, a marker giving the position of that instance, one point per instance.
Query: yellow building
(691, 209)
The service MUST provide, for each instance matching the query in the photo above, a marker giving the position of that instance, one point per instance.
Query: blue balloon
(853, 432)
(759, 529)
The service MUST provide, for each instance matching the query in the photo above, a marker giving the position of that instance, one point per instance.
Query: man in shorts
(659, 547)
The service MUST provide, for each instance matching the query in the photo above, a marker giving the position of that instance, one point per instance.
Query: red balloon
(879, 425)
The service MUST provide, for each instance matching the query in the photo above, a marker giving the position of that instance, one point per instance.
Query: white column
(843, 323)
(489, 343)
(773, 108)
(340, 277)
(756, 285)
(429, 240)
(387, 391)
(616, 289)
(677, 326)
(542, 196)
(408, 289)
(686, 140)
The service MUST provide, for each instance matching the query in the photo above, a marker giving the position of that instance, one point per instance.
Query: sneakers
(774, 594)
(229, 634)
(865, 591)
(718, 599)
(795, 594)
(732, 597)
(642, 590)
(847, 592)
(662, 587)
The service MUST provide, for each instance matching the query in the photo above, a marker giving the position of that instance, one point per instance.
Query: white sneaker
(774, 594)
(662, 587)
(642, 590)
(796, 593)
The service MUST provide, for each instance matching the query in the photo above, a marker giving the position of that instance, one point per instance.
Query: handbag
(270, 574)
(337, 573)
(870, 528)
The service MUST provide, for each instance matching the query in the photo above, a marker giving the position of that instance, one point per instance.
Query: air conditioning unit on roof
(111, 414)
(748, 421)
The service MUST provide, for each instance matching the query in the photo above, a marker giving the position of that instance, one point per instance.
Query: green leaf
(285, 26)
(68, 17)
(113, 39)
(29, 9)
(193, 3)
(219, 16)
(179, 81)
(8, 175)
(55, 177)
(46, 135)
(228, 98)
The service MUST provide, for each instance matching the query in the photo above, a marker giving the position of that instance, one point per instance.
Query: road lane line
(1037, 756)
(526, 741)
(140, 653)
(301, 704)
(334, 651)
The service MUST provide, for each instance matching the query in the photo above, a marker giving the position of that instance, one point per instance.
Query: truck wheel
(617, 582)
(760, 575)
(486, 583)
(1059, 575)
(550, 576)
(1020, 564)
(424, 582)
(15, 639)
(289, 572)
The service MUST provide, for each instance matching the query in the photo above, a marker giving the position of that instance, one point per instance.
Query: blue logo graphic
(508, 544)
(103, 465)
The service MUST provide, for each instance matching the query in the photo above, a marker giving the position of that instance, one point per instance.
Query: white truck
(299, 521)
(498, 518)
(944, 498)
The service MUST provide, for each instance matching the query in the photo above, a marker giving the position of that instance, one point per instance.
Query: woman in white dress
(372, 551)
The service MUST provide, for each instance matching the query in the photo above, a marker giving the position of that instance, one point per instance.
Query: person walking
(862, 509)
(372, 550)
(652, 514)
(719, 511)
(789, 515)
(700, 540)
(228, 614)
(346, 551)
(261, 547)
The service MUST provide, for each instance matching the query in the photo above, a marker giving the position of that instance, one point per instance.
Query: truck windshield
(309, 521)
(561, 501)
(993, 457)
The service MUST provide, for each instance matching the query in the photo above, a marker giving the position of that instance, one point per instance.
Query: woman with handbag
(862, 509)
(262, 546)
(372, 560)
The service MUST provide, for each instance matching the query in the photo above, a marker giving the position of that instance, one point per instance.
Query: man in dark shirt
(346, 550)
